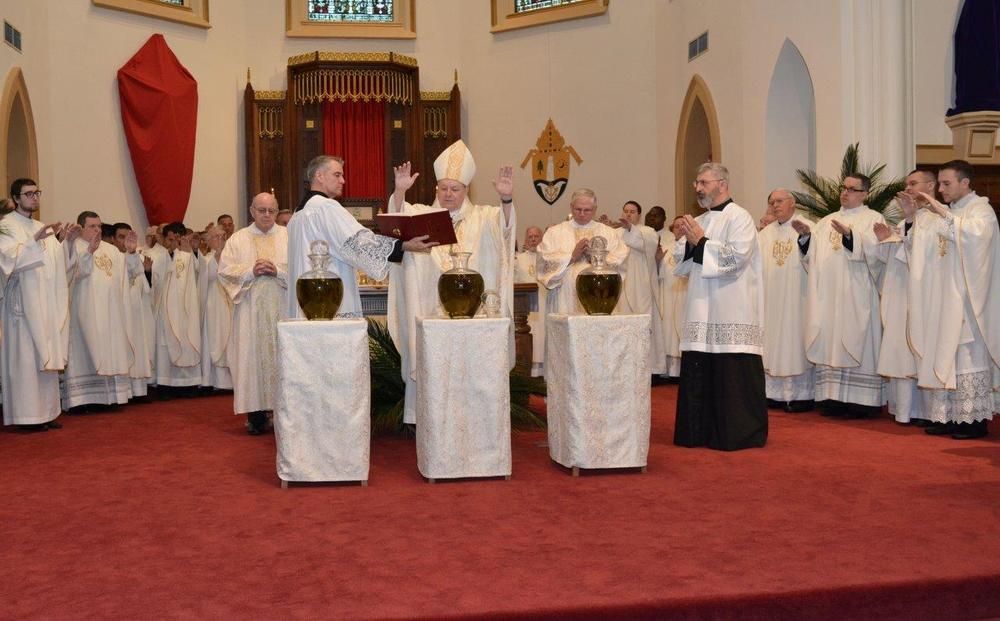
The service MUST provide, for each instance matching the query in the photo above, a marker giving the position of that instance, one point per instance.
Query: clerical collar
(721, 206)
(583, 226)
(309, 195)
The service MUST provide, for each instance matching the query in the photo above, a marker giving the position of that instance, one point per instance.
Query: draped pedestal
(463, 398)
(322, 422)
(597, 369)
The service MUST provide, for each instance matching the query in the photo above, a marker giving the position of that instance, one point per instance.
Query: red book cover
(437, 224)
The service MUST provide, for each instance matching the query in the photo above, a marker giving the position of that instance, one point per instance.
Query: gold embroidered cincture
(780, 251)
(836, 240)
(942, 245)
(179, 268)
(103, 263)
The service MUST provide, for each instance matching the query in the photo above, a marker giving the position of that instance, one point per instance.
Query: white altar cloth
(463, 398)
(322, 422)
(598, 374)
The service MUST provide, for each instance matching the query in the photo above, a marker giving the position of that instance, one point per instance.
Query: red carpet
(170, 510)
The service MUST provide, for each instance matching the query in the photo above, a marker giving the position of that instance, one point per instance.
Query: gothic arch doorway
(19, 153)
(790, 142)
(698, 142)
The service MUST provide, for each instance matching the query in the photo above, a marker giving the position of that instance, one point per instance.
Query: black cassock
(721, 403)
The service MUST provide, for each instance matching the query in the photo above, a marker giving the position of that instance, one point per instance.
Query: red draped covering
(355, 131)
(159, 103)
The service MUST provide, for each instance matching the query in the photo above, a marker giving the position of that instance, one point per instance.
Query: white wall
(613, 85)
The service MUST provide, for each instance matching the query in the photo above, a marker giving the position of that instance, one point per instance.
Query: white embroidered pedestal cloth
(322, 422)
(463, 398)
(598, 373)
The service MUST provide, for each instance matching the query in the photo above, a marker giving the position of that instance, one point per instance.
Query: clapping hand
(907, 204)
(131, 241)
(624, 222)
(934, 205)
(403, 179)
(882, 231)
(94, 243)
(504, 183)
(691, 229)
(800, 227)
(48, 230)
(840, 228)
(660, 253)
(71, 231)
(580, 249)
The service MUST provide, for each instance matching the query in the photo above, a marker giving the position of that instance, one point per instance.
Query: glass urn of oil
(599, 286)
(460, 288)
(319, 291)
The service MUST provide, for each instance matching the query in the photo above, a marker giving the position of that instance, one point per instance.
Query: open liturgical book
(435, 223)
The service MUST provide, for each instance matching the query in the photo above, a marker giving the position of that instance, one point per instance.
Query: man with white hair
(254, 272)
(788, 372)
(483, 230)
(565, 252)
(721, 401)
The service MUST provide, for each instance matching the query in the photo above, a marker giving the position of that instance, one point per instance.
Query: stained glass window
(371, 11)
(173, 2)
(526, 6)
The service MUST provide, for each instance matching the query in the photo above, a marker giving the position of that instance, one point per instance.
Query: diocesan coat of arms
(550, 163)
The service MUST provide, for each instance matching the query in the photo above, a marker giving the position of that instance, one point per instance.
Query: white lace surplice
(463, 398)
(597, 370)
(322, 423)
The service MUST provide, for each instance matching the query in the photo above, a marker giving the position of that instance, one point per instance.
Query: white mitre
(455, 163)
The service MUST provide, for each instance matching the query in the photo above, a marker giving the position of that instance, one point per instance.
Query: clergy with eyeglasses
(487, 231)
(721, 401)
(843, 325)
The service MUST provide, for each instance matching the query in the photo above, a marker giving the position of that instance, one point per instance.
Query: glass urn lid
(599, 286)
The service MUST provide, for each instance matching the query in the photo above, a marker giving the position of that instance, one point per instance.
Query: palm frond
(388, 388)
(823, 194)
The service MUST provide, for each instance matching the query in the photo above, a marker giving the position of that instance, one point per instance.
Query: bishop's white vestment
(481, 230)
(843, 327)
(788, 372)
(954, 319)
(260, 302)
(34, 320)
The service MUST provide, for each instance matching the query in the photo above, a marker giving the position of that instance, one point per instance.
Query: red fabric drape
(159, 103)
(355, 131)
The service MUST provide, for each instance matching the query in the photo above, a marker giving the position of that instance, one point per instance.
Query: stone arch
(698, 141)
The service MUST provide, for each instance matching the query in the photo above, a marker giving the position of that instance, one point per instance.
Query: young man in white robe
(139, 306)
(217, 316)
(896, 361)
(954, 316)
(721, 400)
(101, 331)
(351, 246)
(787, 371)
(177, 314)
(565, 252)
(672, 299)
(35, 312)
(843, 327)
(486, 231)
(641, 287)
(525, 264)
(254, 272)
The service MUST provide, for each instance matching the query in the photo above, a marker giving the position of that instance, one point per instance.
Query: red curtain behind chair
(355, 131)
